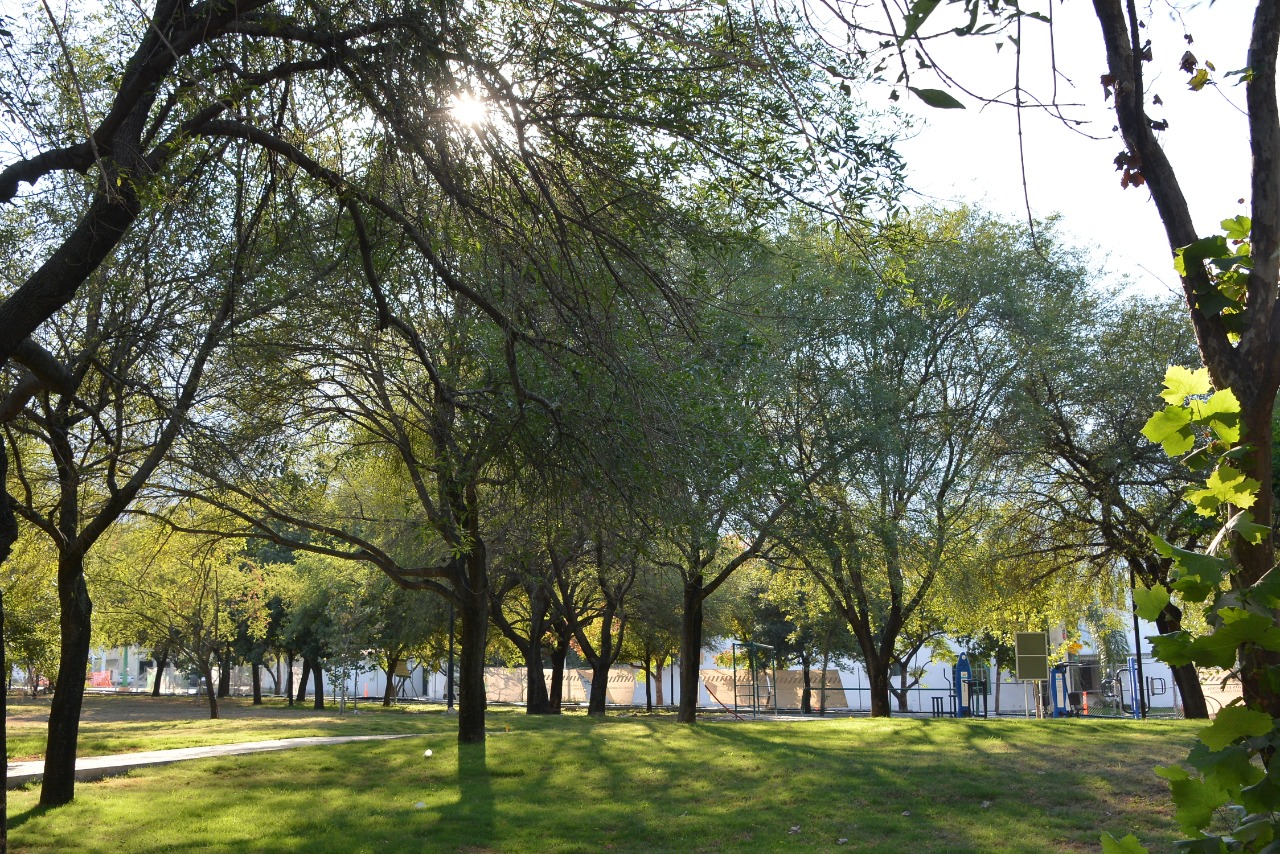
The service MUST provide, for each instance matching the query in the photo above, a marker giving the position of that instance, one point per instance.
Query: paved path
(97, 767)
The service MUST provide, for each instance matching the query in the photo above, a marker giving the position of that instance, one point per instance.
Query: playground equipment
(749, 693)
(969, 692)
(1114, 687)
(1066, 703)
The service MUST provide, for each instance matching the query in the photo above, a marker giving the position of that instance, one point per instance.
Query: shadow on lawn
(472, 813)
(16, 820)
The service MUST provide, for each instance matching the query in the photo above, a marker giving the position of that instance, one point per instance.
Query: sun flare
(469, 110)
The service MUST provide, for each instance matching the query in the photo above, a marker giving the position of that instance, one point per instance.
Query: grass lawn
(633, 784)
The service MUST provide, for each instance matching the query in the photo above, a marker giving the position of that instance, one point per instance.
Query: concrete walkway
(97, 767)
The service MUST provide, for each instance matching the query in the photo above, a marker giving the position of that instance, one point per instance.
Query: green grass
(183, 723)
(645, 784)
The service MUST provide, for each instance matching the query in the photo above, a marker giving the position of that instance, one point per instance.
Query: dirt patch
(120, 708)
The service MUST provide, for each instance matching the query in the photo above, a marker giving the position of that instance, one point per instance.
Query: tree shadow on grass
(16, 820)
(472, 815)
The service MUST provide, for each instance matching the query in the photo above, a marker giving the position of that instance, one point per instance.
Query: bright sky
(972, 155)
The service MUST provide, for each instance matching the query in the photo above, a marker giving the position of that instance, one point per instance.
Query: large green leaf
(1218, 649)
(1220, 413)
(1194, 255)
(1238, 227)
(1226, 485)
(1170, 428)
(1150, 601)
(1263, 796)
(1181, 383)
(1234, 722)
(1232, 767)
(1196, 798)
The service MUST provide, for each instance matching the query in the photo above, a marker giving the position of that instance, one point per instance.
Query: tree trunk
(878, 682)
(209, 692)
(806, 688)
(537, 699)
(389, 692)
(690, 650)
(1184, 675)
(257, 682)
(474, 620)
(558, 656)
(161, 658)
(302, 680)
(318, 675)
(288, 679)
(648, 682)
(224, 674)
(76, 620)
(657, 679)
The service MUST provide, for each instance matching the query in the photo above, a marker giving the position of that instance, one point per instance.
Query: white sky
(972, 155)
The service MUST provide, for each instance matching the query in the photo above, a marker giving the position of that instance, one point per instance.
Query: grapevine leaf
(1181, 383)
(1170, 427)
(1226, 485)
(1128, 845)
(1150, 601)
(1173, 648)
(1195, 254)
(1263, 796)
(1238, 227)
(1239, 626)
(1232, 723)
(1196, 798)
(1221, 413)
(1232, 767)
(1242, 525)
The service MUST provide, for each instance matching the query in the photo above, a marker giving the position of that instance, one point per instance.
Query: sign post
(1031, 661)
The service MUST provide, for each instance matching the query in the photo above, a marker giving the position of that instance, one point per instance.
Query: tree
(895, 400)
(588, 124)
(1093, 480)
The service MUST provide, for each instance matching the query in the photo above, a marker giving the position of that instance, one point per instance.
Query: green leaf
(1239, 626)
(920, 12)
(1195, 575)
(1195, 254)
(1169, 428)
(1128, 845)
(1173, 648)
(1150, 601)
(937, 98)
(1243, 526)
(1263, 796)
(1232, 767)
(1220, 413)
(1180, 383)
(1238, 227)
(1232, 723)
(1226, 485)
(1196, 799)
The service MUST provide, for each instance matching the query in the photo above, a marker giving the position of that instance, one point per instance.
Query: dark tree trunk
(690, 650)
(288, 679)
(878, 681)
(224, 674)
(474, 624)
(555, 696)
(161, 658)
(257, 682)
(537, 697)
(657, 678)
(599, 696)
(1184, 675)
(76, 620)
(209, 692)
(806, 689)
(302, 680)
(318, 675)
(389, 692)
(648, 682)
